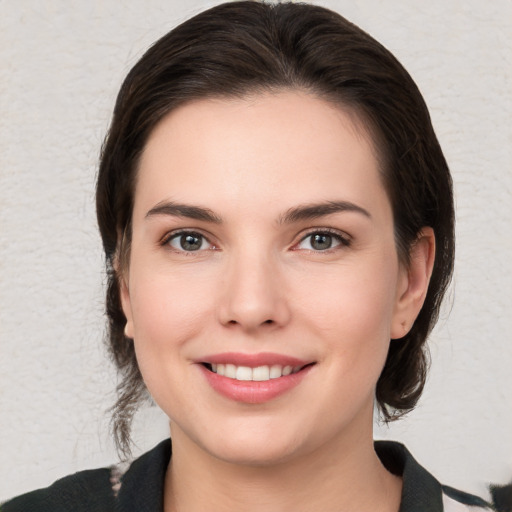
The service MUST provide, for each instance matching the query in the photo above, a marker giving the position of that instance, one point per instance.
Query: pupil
(321, 242)
(190, 243)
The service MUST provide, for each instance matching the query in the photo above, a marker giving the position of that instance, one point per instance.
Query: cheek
(167, 314)
(353, 314)
(167, 311)
(352, 297)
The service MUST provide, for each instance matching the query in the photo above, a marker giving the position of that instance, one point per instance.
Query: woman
(277, 218)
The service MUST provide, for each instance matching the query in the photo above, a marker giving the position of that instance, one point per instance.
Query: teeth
(243, 373)
(260, 373)
(276, 371)
(230, 371)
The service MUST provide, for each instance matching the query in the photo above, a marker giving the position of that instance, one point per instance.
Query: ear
(413, 283)
(124, 295)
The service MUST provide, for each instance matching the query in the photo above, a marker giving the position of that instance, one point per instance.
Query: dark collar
(421, 491)
(142, 488)
(143, 485)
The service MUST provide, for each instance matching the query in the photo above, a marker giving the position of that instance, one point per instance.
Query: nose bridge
(253, 293)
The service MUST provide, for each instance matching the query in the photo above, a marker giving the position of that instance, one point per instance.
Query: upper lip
(253, 360)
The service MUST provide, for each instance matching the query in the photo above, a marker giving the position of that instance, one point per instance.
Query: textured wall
(60, 66)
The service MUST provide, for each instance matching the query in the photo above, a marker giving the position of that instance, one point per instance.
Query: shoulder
(421, 490)
(84, 491)
(101, 490)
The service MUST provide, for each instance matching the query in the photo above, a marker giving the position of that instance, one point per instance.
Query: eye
(188, 241)
(322, 241)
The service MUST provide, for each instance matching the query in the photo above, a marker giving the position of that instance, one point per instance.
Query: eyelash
(176, 234)
(342, 239)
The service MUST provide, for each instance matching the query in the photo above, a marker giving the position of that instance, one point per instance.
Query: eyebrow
(313, 211)
(296, 214)
(184, 210)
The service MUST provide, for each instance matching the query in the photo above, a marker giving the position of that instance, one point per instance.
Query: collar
(421, 491)
(142, 486)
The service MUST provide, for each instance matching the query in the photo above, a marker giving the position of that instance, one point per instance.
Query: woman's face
(263, 244)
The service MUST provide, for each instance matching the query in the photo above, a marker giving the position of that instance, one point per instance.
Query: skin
(257, 284)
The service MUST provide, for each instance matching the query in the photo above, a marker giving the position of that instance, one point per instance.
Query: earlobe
(413, 285)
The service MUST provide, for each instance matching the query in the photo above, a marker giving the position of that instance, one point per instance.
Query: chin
(258, 453)
(252, 446)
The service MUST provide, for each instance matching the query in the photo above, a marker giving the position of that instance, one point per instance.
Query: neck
(340, 476)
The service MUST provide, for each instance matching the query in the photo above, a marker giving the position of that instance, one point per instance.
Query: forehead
(287, 146)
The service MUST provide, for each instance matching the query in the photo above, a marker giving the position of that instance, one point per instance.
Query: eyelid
(164, 241)
(344, 238)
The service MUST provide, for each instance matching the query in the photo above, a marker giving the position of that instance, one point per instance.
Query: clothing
(142, 487)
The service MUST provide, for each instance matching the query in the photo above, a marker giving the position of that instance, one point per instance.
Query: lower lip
(253, 392)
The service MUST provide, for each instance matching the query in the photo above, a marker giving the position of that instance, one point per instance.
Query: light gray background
(61, 63)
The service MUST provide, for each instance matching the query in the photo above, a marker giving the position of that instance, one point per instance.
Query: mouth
(253, 378)
(257, 374)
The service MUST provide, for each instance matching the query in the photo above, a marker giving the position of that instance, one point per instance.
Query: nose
(253, 295)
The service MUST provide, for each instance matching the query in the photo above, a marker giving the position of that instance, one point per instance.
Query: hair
(241, 48)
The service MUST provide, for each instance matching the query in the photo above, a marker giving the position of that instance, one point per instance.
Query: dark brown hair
(239, 48)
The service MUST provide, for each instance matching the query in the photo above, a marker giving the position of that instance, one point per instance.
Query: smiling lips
(260, 373)
(253, 378)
